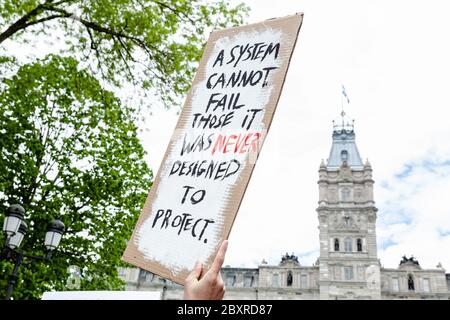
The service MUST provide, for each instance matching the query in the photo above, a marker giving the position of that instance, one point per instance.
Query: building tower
(348, 263)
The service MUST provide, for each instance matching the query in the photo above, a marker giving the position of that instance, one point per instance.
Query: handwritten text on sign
(217, 140)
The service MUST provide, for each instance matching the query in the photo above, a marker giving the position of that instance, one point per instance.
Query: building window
(348, 244)
(359, 245)
(146, 276)
(361, 271)
(337, 273)
(142, 275)
(303, 281)
(347, 221)
(231, 280)
(348, 272)
(395, 285)
(410, 283)
(426, 285)
(344, 155)
(289, 279)
(248, 281)
(276, 280)
(345, 194)
(336, 244)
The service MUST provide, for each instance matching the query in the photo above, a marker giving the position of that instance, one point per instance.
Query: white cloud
(417, 198)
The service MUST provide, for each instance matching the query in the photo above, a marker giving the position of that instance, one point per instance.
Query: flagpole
(342, 106)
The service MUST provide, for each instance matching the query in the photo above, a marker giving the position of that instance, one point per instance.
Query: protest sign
(197, 192)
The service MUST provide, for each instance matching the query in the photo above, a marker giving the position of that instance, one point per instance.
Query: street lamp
(15, 241)
(13, 218)
(15, 229)
(55, 231)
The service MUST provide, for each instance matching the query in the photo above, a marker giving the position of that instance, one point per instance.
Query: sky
(392, 57)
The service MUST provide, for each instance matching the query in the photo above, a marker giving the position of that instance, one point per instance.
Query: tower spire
(344, 145)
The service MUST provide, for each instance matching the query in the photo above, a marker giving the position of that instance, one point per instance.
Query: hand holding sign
(209, 286)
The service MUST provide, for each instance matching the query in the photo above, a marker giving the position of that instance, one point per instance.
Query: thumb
(196, 272)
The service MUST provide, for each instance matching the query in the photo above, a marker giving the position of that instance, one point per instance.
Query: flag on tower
(345, 94)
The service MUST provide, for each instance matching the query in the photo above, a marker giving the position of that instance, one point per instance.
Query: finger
(220, 257)
(219, 278)
(220, 293)
(196, 272)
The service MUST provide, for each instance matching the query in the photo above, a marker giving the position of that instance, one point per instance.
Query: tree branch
(96, 27)
(21, 23)
(125, 60)
(120, 36)
(45, 19)
(177, 12)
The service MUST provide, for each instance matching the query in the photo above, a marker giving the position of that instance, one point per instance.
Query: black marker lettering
(207, 221)
(219, 58)
(166, 219)
(159, 214)
(185, 194)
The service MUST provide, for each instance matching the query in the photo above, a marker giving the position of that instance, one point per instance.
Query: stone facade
(348, 266)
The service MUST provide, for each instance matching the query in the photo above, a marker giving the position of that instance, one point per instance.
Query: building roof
(344, 146)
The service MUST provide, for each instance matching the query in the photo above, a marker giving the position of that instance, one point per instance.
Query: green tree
(69, 150)
(150, 43)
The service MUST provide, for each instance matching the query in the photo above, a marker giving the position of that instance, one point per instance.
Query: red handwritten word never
(236, 143)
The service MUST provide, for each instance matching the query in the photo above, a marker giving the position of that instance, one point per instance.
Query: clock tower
(348, 264)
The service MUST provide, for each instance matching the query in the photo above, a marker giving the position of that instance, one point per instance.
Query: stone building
(348, 266)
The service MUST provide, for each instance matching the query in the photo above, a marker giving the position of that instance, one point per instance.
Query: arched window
(359, 245)
(410, 282)
(344, 155)
(348, 244)
(336, 244)
(347, 221)
(289, 279)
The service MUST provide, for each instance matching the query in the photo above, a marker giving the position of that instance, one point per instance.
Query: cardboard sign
(197, 192)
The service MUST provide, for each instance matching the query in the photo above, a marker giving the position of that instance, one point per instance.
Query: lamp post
(15, 229)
